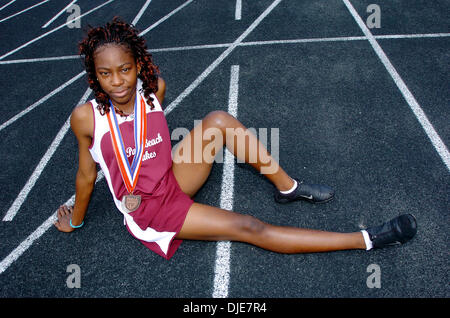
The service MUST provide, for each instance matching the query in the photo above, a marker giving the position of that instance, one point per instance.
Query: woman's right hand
(64, 216)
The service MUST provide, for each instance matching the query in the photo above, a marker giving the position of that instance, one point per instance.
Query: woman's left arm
(161, 90)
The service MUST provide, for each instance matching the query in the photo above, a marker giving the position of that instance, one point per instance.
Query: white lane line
(141, 12)
(253, 43)
(58, 14)
(435, 139)
(42, 100)
(238, 11)
(24, 10)
(74, 57)
(41, 59)
(154, 25)
(11, 2)
(345, 39)
(22, 247)
(223, 250)
(54, 30)
(234, 90)
(412, 36)
(190, 47)
(311, 40)
(19, 250)
(219, 60)
(20, 199)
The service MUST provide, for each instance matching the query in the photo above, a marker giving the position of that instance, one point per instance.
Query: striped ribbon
(130, 173)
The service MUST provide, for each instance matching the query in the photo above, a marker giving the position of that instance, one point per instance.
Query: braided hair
(120, 33)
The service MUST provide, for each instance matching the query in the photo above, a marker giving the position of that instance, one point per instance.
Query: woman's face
(117, 71)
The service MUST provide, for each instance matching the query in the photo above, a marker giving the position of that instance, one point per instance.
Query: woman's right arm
(82, 124)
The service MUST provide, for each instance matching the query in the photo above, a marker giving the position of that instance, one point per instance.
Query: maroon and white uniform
(164, 206)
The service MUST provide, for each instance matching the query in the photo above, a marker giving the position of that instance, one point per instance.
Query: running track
(365, 110)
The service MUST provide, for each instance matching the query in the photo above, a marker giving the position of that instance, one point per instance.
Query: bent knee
(219, 119)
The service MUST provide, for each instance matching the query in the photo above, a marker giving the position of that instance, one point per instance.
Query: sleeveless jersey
(164, 206)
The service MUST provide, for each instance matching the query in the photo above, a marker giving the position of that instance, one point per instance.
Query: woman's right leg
(209, 223)
(195, 154)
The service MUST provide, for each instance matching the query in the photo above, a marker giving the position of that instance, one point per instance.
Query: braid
(121, 33)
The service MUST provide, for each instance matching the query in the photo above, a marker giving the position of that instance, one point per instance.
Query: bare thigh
(209, 223)
(194, 155)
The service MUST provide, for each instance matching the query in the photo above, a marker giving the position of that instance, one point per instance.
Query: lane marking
(411, 36)
(253, 43)
(58, 14)
(238, 11)
(24, 10)
(435, 139)
(190, 47)
(234, 91)
(22, 247)
(54, 30)
(222, 263)
(41, 59)
(20, 199)
(42, 100)
(154, 25)
(141, 12)
(11, 2)
(219, 60)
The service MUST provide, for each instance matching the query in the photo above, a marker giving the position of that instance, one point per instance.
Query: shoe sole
(305, 199)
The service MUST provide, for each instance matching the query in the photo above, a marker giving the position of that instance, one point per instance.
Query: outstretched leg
(209, 223)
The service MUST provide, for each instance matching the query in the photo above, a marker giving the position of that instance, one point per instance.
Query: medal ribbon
(130, 173)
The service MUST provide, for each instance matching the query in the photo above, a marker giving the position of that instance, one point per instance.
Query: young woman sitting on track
(124, 130)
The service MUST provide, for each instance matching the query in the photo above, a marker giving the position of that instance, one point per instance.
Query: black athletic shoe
(397, 231)
(314, 193)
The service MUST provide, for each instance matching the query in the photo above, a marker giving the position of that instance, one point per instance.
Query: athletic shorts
(164, 210)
